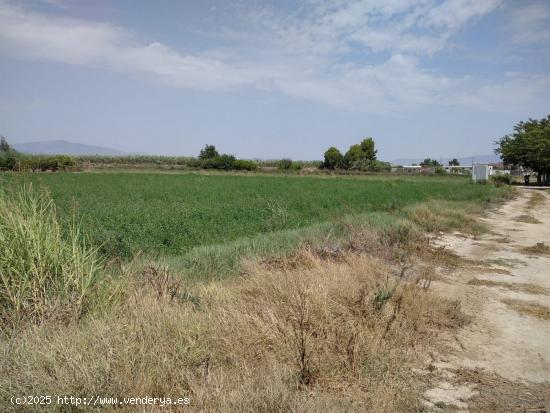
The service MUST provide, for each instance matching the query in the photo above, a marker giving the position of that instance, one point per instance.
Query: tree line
(209, 158)
(359, 157)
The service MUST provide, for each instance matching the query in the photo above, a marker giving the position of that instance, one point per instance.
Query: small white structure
(481, 172)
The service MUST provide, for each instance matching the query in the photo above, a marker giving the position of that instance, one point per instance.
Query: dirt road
(501, 360)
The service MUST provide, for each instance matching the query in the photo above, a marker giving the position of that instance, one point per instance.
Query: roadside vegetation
(314, 294)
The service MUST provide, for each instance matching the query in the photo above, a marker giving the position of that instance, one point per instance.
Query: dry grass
(445, 258)
(437, 216)
(503, 240)
(528, 219)
(536, 199)
(519, 287)
(508, 262)
(497, 394)
(538, 248)
(530, 309)
(337, 336)
(490, 270)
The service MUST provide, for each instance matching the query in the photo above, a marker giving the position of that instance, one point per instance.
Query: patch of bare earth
(501, 360)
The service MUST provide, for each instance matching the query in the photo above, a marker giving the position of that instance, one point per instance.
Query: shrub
(56, 162)
(440, 170)
(8, 160)
(379, 166)
(370, 166)
(45, 270)
(284, 164)
(501, 179)
(245, 165)
(298, 165)
(225, 162)
(29, 163)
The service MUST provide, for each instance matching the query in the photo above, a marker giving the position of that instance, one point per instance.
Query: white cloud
(517, 91)
(397, 26)
(454, 14)
(530, 23)
(305, 55)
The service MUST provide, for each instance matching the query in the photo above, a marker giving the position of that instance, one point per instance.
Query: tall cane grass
(46, 269)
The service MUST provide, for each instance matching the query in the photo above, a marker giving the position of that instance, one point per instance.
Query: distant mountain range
(61, 147)
(463, 161)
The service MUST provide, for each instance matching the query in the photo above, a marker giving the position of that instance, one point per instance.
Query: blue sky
(260, 79)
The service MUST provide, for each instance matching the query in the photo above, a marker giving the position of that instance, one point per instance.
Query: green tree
(4, 146)
(353, 156)
(333, 159)
(9, 157)
(454, 162)
(367, 147)
(209, 152)
(429, 163)
(528, 147)
(360, 155)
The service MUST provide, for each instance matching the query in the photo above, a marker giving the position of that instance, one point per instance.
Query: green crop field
(172, 213)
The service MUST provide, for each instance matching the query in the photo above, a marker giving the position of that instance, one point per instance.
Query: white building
(481, 172)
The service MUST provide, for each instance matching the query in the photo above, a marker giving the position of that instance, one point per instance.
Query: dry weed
(508, 262)
(538, 248)
(497, 394)
(536, 199)
(339, 335)
(528, 308)
(161, 281)
(519, 287)
(528, 219)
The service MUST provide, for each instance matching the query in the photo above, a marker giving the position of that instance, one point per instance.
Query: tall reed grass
(46, 269)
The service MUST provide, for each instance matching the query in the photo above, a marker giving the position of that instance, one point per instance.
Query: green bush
(8, 160)
(245, 165)
(29, 163)
(224, 162)
(502, 179)
(58, 162)
(368, 165)
(284, 164)
(14, 161)
(440, 170)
